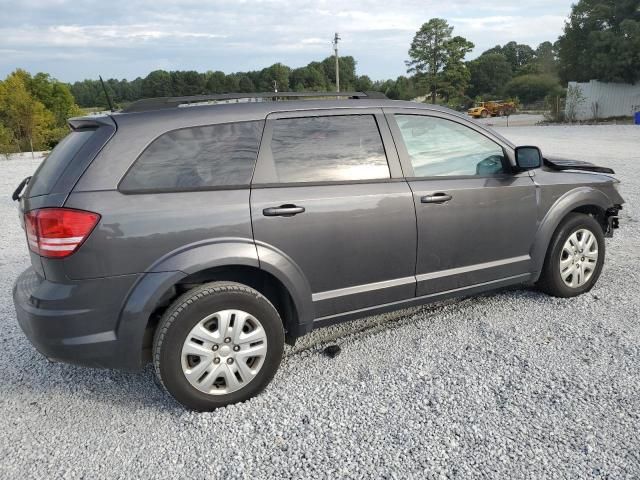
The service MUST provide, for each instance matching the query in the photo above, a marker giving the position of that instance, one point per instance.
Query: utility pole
(336, 38)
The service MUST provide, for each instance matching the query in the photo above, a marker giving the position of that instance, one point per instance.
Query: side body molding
(575, 198)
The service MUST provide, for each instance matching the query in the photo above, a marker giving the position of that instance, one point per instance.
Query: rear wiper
(18, 191)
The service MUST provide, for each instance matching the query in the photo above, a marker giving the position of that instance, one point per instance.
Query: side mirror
(528, 158)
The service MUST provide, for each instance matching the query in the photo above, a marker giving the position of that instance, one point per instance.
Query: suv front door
(476, 218)
(328, 192)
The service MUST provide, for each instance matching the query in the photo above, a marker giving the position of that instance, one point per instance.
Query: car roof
(196, 114)
(156, 122)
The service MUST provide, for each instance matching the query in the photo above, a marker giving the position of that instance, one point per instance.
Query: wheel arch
(585, 200)
(227, 259)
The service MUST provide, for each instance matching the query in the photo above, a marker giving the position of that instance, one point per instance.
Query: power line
(336, 38)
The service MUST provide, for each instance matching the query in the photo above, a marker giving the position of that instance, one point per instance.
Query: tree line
(513, 70)
(316, 76)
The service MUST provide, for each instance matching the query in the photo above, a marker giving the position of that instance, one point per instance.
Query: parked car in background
(203, 238)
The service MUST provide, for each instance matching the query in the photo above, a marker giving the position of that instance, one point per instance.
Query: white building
(605, 100)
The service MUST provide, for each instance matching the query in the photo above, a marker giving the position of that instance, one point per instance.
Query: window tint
(320, 149)
(60, 157)
(439, 147)
(197, 157)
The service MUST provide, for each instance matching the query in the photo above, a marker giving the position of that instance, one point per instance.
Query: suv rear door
(328, 192)
(476, 218)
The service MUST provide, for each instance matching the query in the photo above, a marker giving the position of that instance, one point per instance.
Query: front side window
(197, 158)
(439, 147)
(321, 149)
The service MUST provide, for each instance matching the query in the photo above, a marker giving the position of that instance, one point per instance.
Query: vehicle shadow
(41, 381)
(49, 382)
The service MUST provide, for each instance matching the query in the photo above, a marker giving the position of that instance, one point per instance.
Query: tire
(501, 113)
(579, 266)
(211, 307)
(484, 114)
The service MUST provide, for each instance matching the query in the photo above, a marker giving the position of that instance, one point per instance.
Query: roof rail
(160, 103)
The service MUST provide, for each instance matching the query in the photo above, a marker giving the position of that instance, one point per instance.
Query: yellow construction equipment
(493, 108)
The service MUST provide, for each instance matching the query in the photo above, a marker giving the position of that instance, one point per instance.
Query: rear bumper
(76, 322)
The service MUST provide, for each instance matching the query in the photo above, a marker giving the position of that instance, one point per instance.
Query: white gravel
(508, 385)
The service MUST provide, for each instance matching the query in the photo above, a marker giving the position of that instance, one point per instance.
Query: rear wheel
(575, 257)
(218, 344)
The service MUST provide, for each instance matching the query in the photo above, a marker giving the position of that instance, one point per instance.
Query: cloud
(96, 36)
(127, 37)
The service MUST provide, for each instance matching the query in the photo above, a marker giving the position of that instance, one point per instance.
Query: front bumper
(75, 322)
(613, 222)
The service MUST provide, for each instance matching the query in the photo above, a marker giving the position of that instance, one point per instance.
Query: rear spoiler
(95, 121)
(563, 164)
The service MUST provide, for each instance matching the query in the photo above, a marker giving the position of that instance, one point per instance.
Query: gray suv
(202, 237)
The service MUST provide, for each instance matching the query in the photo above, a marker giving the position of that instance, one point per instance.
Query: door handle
(436, 198)
(282, 211)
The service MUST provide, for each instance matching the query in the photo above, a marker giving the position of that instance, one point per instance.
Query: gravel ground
(513, 384)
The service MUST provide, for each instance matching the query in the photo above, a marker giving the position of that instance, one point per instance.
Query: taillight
(58, 232)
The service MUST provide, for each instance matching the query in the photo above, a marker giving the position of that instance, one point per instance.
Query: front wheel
(575, 257)
(218, 344)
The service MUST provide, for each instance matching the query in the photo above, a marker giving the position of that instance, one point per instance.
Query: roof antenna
(106, 94)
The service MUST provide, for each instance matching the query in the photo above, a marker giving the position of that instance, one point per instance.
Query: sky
(74, 40)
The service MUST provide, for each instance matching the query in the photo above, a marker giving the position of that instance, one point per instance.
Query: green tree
(432, 51)
(532, 88)
(546, 61)
(489, 74)
(215, 82)
(518, 55)
(157, 84)
(88, 93)
(312, 77)
(245, 84)
(347, 72)
(455, 74)
(363, 83)
(29, 122)
(7, 141)
(402, 88)
(601, 41)
(277, 73)
(187, 83)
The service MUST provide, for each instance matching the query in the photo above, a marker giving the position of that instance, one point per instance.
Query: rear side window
(320, 149)
(197, 158)
(60, 157)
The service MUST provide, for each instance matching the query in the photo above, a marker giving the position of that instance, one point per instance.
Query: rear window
(52, 167)
(197, 158)
(326, 149)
